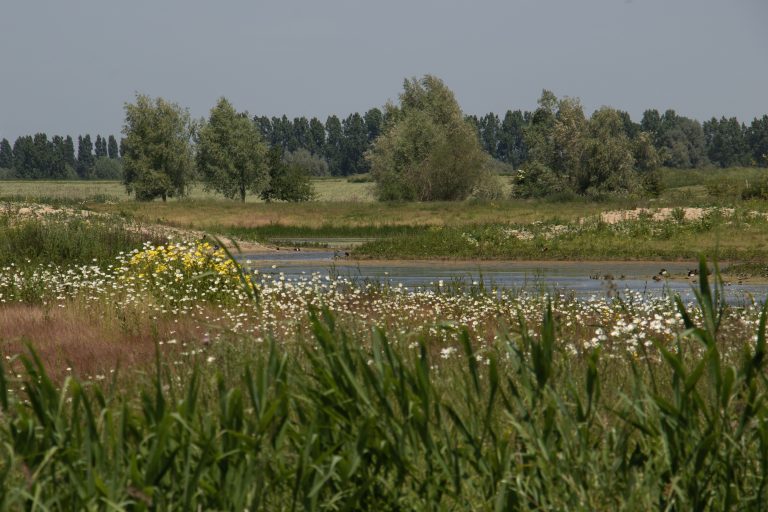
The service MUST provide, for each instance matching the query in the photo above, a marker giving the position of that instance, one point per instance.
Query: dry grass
(327, 189)
(87, 344)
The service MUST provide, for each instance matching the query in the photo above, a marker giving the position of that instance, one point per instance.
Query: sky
(69, 67)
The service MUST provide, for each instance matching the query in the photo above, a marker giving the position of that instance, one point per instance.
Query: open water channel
(579, 278)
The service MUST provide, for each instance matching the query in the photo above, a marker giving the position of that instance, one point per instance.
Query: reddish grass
(89, 344)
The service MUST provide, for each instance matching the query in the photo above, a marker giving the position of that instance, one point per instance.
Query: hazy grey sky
(68, 67)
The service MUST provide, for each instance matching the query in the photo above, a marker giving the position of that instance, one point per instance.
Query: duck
(663, 272)
(693, 273)
(656, 278)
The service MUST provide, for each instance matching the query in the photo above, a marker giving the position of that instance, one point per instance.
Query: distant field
(330, 189)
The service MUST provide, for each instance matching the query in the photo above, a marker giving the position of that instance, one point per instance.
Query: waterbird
(656, 278)
(663, 272)
(693, 273)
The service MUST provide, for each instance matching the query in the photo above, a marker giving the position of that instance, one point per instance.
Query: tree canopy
(231, 155)
(427, 151)
(157, 155)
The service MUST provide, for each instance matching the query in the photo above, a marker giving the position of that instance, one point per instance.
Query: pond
(582, 278)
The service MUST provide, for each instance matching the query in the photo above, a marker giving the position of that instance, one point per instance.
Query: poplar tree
(6, 154)
(112, 150)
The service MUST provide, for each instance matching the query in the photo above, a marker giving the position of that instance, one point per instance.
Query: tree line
(423, 148)
(337, 146)
(38, 157)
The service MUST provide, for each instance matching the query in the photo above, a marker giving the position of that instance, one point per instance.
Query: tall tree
(489, 127)
(428, 151)
(100, 147)
(6, 154)
(300, 133)
(316, 142)
(158, 159)
(333, 144)
(512, 147)
(265, 128)
(726, 142)
(374, 123)
(355, 145)
(231, 153)
(757, 137)
(68, 150)
(651, 124)
(112, 150)
(85, 157)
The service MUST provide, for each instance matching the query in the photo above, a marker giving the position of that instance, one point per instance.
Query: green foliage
(726, 142)
(604, 155)
(59, 241)
(112, 149)
(105, 168)
(157, 156)
(757, 136)
(6, 154)
(585, 239)
(85, 156)
(313, 165)
(231, 153)
(287, 182)
(428, 151)
(37, 157)
(337, 422)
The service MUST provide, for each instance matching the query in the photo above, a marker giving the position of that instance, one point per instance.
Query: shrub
(108, 169)
(312, 164)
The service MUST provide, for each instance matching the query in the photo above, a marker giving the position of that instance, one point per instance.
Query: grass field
(468, 230)
(168, 380)
(327, 189)
(161, 376)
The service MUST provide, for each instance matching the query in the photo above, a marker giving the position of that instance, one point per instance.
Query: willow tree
(231, 155)
(157, 149)
(427, 152)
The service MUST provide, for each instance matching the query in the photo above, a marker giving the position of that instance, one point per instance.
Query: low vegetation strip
(724, 234)
(633, 405)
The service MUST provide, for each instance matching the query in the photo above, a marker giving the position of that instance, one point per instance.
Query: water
(579, 278)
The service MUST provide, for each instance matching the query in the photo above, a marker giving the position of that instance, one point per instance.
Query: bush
(536, 180)
(108, 169)
(489, 187)
(757, 189)
(313, 165)
(724, 188)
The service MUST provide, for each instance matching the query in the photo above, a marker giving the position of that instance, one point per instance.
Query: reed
(336, 421)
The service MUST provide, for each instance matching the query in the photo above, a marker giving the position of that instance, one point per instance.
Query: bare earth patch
(657, 214)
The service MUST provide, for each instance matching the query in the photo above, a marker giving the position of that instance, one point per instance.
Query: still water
(579, 278)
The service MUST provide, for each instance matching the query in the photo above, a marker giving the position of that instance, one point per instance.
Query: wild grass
(336, 420)
(740, 235)
(328, 189)
(64, 239)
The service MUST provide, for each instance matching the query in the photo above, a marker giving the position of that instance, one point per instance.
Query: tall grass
(737, 235)
(339, 423)
(64, 240)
